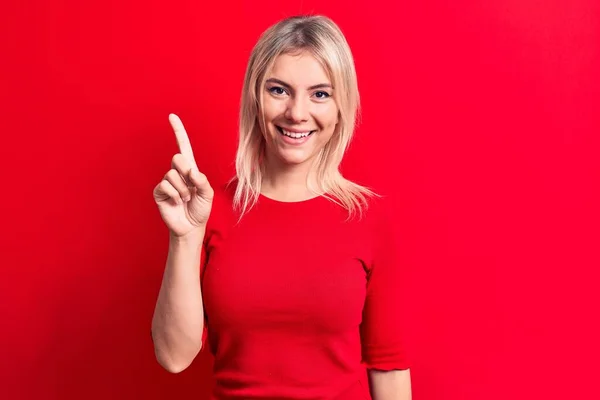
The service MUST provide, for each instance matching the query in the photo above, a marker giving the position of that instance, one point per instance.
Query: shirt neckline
(290, 203)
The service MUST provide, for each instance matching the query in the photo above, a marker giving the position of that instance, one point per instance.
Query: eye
(321, 95)
(277, 90)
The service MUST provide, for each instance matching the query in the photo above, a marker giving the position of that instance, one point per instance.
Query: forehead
(300, 69)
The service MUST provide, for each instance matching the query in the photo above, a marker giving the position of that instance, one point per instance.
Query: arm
(390, 385)
(385, 326)
(178, 318)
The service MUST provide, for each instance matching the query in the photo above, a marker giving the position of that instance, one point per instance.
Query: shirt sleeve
(207, 245)
(204, 254)
(384, 323)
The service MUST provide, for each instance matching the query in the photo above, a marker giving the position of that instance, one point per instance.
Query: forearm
(179, 316)
(390, 385)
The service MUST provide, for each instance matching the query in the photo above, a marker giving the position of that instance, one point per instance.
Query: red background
(481, 119)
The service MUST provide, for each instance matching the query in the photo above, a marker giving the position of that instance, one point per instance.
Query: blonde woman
(288, 273)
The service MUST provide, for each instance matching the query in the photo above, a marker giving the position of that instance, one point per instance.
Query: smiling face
(300, 114)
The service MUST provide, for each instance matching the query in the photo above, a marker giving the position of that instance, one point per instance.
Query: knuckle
(176, 157)
(162, 188)
(179, 161)
(172, 174)
(165, 186)
(202, 177)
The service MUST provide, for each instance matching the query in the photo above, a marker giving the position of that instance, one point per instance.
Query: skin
(298, 96)
(184, 199)
(390, 385)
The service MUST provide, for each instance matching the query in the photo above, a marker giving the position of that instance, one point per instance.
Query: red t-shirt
(299, 302)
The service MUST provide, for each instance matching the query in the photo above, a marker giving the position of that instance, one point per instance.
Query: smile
(294, 135)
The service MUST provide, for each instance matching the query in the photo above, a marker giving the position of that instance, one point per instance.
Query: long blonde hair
(324, 40)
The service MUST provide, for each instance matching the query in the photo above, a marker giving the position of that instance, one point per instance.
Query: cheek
(328, 114)
(265, 118)
(272, 109)
(328, 125)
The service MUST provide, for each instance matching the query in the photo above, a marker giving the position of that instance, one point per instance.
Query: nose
(297, 109)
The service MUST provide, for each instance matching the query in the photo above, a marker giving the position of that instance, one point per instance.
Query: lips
(294, 134)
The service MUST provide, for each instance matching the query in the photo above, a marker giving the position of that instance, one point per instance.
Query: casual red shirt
(299, 302)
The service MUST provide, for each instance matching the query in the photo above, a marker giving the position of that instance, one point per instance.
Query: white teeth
(295, 135)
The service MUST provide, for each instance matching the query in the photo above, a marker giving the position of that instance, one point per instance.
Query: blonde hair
(324, 40)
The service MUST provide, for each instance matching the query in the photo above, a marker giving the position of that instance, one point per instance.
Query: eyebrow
(282, 83)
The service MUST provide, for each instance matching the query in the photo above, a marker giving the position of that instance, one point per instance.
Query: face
(299, 110)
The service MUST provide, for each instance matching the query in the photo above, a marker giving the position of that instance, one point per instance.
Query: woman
(293, 278)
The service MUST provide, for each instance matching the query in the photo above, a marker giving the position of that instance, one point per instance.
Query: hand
(184, 196)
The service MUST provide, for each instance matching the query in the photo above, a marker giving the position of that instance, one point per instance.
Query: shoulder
(382, 223)
(380, 209)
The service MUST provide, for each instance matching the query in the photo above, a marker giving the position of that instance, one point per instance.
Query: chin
(294, 159)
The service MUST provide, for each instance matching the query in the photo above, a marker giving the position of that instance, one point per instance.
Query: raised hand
(184, 196)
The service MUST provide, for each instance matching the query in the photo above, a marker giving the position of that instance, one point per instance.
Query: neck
(286, 182)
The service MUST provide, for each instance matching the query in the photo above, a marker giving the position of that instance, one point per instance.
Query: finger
(164, 190)
(183, 141)
(183, 166)
(191, 175)
(179, 184)
(200, 182)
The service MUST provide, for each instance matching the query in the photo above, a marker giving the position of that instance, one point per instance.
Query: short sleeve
(208, 244)
(384, 324)
(204, 255)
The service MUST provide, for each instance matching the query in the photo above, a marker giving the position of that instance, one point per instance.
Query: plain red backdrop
(481, 120)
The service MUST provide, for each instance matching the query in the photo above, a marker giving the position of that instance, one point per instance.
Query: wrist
(193, 237)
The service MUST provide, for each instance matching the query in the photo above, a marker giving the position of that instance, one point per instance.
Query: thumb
(199, 181)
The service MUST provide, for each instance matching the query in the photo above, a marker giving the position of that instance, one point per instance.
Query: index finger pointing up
(183, 141)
